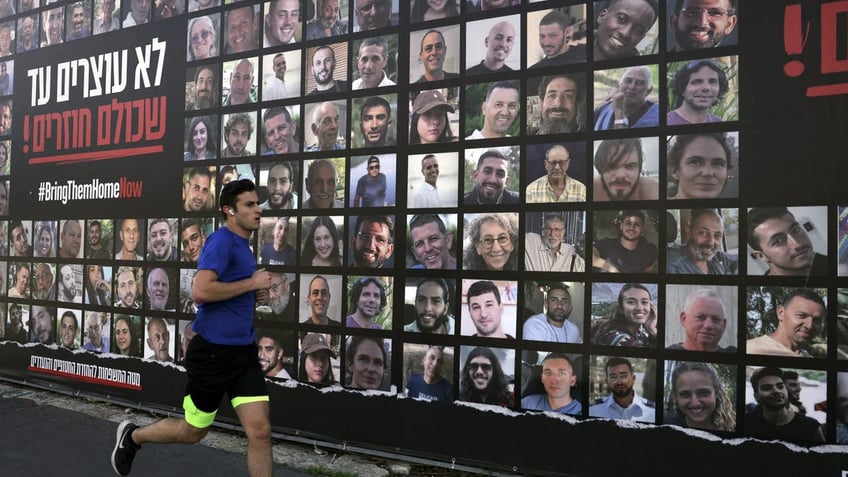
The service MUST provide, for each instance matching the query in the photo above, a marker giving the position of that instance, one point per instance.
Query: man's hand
(651, 324)
(262, 296)
(261, 280)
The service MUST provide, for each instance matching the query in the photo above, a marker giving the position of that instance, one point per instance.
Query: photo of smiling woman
(491, 243)
(629, 320)
(200, 143)
(698, 395)
(367, 363)
(321, 242)
(700, 166)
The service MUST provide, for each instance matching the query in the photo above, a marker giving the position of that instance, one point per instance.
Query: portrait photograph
(130, 239)
(7, 80)
(280, 130)
(283, 22)
(68, 329)
(720, 26)
(193, 233)
(556, 104)
(5, 158)
(434, 55)
(561, 175)
(318, 181)
(374, 14)
(282, 299)
(160, 337)
(492, 175)
(20, 238)
(277, 241)
(278, 185)
(626, 169)
(557, 36)
(690, 102)
(97, 282)
(106, 16)
(197, 5)
(372, 180)
(128, 335)
(186, 280)
(486, 375)
(319, 360)
(367, 363)
(17, 326)
(490, 242)
(372, 241)
(616, 39)
(700, 395)
(374, 62)
(489, 308)
(627, 98)
(240, 83)
(435, 116)
(492, 110)
(204, 36)
(553, 311)
(277, 352)
(281, 73)
(433, 180)
(369, 302)
(625, 314)
(28, 34)
(701, 318)
(98, 329)
(551, 381)
(127, 286)
(430, 305)
(321, 241)
(326, 71)
(201, 136)
(69, 283)
(199, 190)
(625, 241)
(610, 375)
(433, 241)
(555, 241)
(239, 132)
(377, 120)
(231, 172)
(769, 251)
(702, 241)
(98, 239)
(160, 289)
(330, 19)
(322, 305)
(804, 395)
(242, 27)
(45, 239)
(500, 48)
(202, 87)
(44, 281)
(325, 126)
(428, 372)
(426, 10)
(703, 166)
(842, 241)
(786, 321)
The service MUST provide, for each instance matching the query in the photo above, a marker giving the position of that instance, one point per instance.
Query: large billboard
(578, 226)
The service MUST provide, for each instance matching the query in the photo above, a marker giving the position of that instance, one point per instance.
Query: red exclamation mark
(26, 134)
(794, 38)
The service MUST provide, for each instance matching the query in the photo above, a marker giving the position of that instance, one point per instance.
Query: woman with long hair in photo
(698, 400)
(44, 244)
(200, 143)
(699, 165)
(321, 245)
(633, 322)
(315, 366)
(429, 123)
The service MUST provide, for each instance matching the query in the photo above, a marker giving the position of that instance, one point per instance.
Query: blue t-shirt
(228, 322)
(416, 387)
(539, 402)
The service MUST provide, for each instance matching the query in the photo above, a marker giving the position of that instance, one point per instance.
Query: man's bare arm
(208, 289)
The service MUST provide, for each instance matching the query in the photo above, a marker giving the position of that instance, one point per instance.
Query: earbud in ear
(232, 213)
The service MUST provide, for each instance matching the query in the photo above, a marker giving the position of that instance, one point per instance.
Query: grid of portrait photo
(530, 204)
